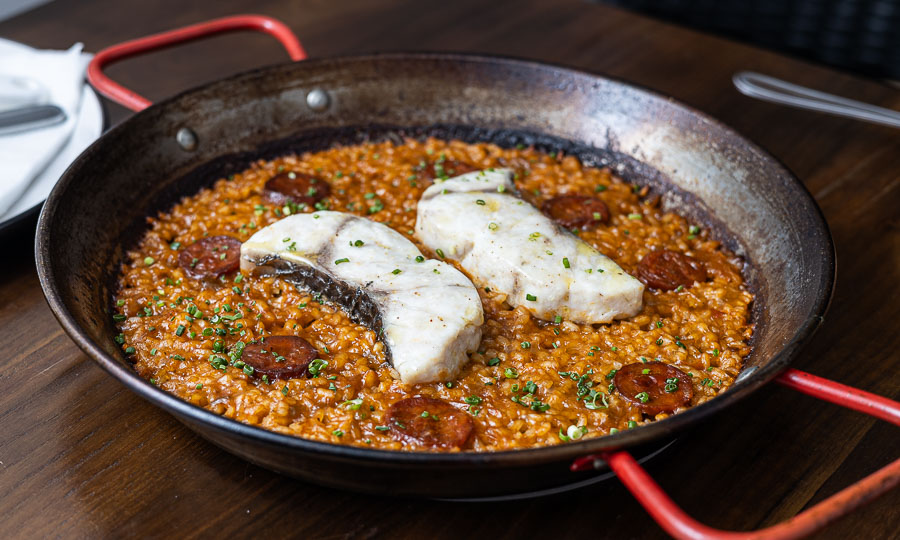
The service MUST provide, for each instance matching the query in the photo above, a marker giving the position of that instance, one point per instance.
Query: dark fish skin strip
(359, 303)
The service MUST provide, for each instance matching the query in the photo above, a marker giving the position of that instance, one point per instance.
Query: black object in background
(856, 35)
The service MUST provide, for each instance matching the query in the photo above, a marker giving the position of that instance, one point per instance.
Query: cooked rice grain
(703, 330)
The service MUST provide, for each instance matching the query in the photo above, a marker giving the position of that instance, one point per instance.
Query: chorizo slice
(299, 187)
(450, 168)
(655, 387)
(576, 211)
(211, 257)
(665, 270)
(279, 357)
(429, 421)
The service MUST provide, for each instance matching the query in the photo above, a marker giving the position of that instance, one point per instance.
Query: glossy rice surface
(528, 381)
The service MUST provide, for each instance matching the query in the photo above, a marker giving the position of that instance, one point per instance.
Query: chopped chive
(531, 297)
(493, 361)
(353, 404)
(339, 261)
(148, 261)
(396, 271)
(635, 216)
(671, 385)
(480, 202)
(420, 258)
(566, 262)
(440, 252)
(180, 330)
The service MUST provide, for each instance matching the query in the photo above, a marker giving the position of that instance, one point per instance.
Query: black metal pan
(704, 169)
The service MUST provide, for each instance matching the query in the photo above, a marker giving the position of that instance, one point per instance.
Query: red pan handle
(136, 102)
(680, 525)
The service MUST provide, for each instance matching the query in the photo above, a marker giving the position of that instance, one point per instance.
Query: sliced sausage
(654, 387)
(299, 187)
(211, 257)
(576, 211)
(450, 168)
(665, 270)
(429, 421)
(279, 357)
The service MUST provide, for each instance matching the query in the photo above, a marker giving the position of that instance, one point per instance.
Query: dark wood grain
(82, 457)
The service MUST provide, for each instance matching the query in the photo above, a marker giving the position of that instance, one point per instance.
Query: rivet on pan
(186, 139)
(317, 99)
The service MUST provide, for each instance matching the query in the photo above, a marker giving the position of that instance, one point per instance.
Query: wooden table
(82, 457)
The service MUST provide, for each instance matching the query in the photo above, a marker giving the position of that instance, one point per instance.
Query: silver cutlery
(775, 90)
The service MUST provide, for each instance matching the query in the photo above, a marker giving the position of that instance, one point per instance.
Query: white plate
(88, 127)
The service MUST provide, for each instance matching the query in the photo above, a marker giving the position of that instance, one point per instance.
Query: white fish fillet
(508, 244)
(428, 314)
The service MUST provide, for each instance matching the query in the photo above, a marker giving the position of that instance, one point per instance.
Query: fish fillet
(426, 312)
(509, 245)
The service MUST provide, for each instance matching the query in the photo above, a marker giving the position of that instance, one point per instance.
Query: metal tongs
(775, 90)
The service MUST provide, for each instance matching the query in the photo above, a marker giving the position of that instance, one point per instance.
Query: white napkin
(24, 155)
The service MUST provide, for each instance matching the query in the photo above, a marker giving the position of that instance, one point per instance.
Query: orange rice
(703, 330)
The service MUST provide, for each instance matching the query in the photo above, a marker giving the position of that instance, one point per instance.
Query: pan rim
(648, 433)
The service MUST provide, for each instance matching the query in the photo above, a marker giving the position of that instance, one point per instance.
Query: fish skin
(503, 242)
(429, 315)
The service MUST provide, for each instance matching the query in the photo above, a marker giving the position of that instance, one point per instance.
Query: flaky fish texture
(509, 245)
(427, 313)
